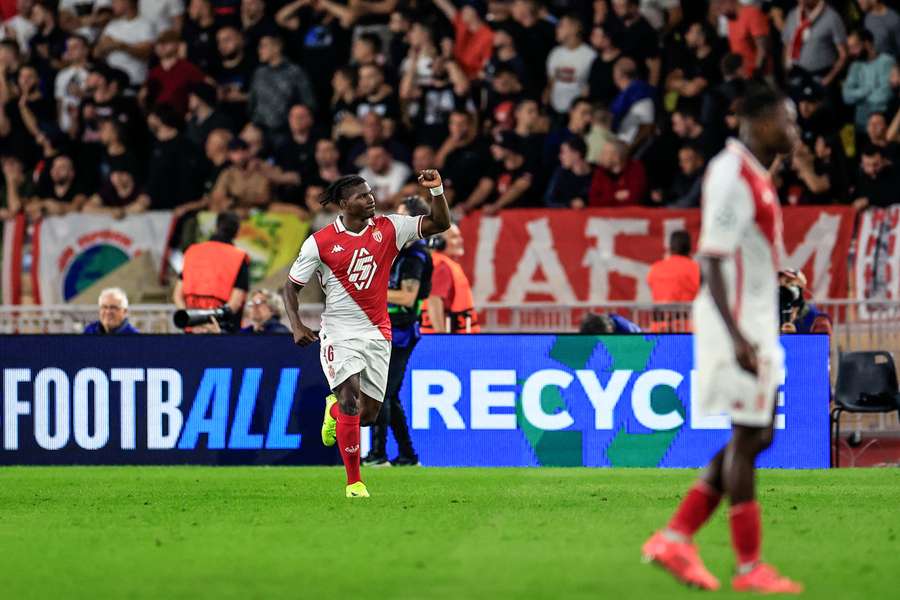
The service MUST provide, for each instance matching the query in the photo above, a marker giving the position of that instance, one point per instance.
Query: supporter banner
(878, 255)
(598, 255)
(481, 400)
(71, 252)
(271, 239)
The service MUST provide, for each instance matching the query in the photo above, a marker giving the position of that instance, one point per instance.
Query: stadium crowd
(120, 106)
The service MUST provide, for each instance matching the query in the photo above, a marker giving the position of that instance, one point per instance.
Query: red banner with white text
(603, 255)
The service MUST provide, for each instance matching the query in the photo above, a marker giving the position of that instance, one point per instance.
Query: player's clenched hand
(304, 336)
(745, 354)
(429, 178)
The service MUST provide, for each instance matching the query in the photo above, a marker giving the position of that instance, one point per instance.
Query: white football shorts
(369, 358)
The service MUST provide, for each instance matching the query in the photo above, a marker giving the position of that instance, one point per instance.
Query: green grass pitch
(191, 532)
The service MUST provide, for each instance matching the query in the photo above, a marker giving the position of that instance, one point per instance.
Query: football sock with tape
(697, 507)
(745, 532)
(348, 444)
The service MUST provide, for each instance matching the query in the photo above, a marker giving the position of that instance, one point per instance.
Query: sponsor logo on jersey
(362, 269)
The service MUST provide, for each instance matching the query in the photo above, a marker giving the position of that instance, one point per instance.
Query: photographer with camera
(214, 281)
(798, 315)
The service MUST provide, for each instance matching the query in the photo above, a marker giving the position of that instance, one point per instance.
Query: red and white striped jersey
(742, 225)
(353, 269)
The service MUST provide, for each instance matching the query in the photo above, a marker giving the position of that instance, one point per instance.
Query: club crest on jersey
(377, 236)
(362, 269)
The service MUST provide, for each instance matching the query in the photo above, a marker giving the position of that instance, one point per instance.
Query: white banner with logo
(74, 251)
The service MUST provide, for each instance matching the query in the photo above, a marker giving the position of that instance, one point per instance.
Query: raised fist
(430, 178)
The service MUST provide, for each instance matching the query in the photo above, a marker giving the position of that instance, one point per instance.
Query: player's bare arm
(439, 219)
(743, 350)
(303, 335)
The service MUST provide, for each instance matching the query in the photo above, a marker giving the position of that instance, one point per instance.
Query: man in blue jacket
(113, 314)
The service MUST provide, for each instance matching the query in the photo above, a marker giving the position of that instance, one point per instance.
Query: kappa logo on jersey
(362, 269)
(337, 248)
(377, 236)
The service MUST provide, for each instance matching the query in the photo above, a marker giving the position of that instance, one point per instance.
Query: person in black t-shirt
(199, 34)
(234, 73)
(606, 41)
(507, 183)
(433, 102)
(173, 164)
(535, 38)
(462, 156)
(639, 40)
(571, 182)
(698, 68)
(58, 193)
(878, 181)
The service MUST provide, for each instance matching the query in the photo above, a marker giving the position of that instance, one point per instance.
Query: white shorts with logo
(722, 386)
(370, 358)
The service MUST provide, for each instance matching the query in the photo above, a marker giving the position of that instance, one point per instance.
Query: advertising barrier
(479, 400)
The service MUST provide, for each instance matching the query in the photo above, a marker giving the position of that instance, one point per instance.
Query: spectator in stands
(813, 114)
(868, 84)
(633, 109)
(241, 186)
(450, 307)
(717, 101)
(506, 57)
(688, 128)
(815, 41)
(422, 159)
(163, 15)
(204, 115)
(568, 65)
(877, 134)
(700, 67)
(199, 32)
(113, 320)
(748, 35)
(884, 24)
(119, 196)
(509, 181)
(216, 274)
(431, 104)
(579, 122)
(173, 78)
(529, 127)
(174, 161)
(84, 17)
(473, 40)
(619, 180)
(376, 96)
(127, 41)
(570, 184)
(48, 44)
(70, 85)
(58, 194)
(386, 176)
(264, 313)
(597, 324)
(462, 156)
(256, 23)
(327, 166)
(816, 173)
(25, 114)
(277, 85)
(216, 150)
(676, 278)
(534, 37)
(600, 133)
(877, 181)
(297, 152)
(233, 71)
(20, 27)
(640, 42)
(606, 41)
(686, 186)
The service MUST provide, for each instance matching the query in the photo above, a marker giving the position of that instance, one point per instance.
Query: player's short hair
(758, 100)
(680, 243)
(337, 189)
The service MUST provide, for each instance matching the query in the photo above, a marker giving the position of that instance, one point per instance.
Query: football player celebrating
(352, 258)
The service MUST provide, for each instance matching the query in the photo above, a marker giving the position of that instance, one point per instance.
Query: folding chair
(866, 383)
